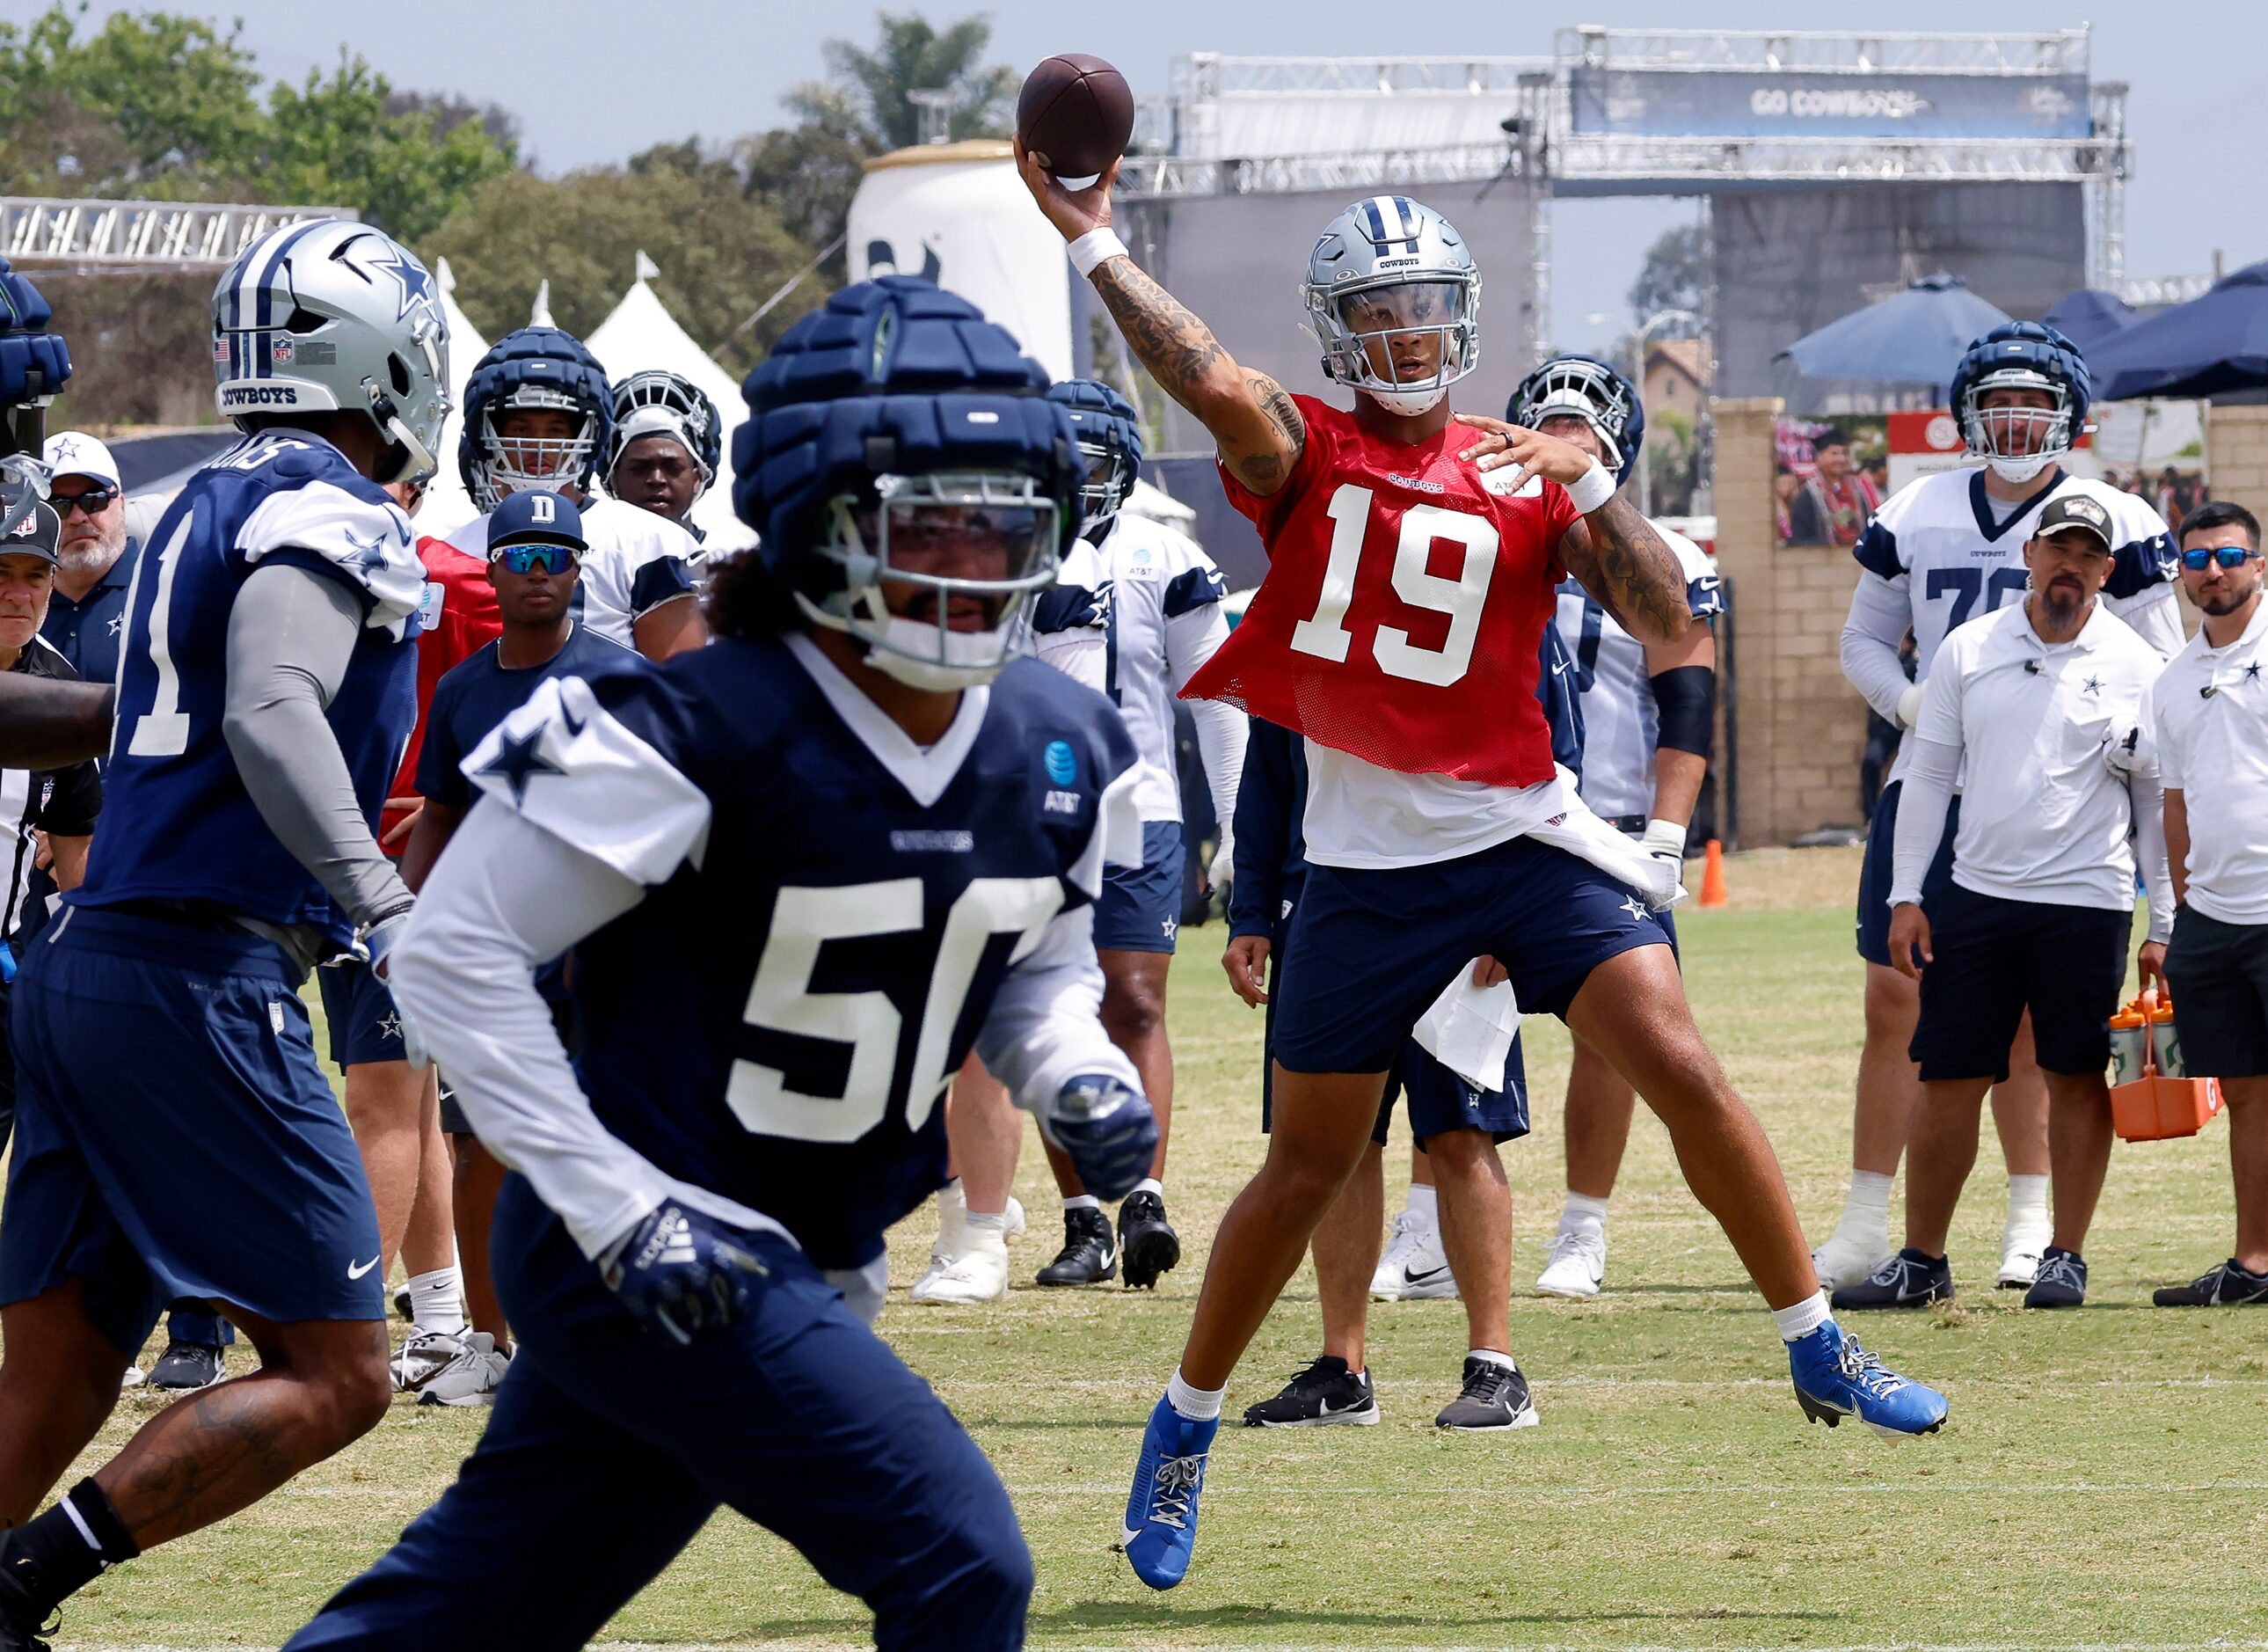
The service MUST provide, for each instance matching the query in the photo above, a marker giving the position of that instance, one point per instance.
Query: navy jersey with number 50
(831, 909)
(176, 823)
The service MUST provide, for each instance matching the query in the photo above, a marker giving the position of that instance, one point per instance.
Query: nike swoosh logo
(354, 1272)
(1329, 1410)
(1558, 667)
(1410, 1276)
(574, 724)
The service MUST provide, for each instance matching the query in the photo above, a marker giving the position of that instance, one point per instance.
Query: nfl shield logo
(282, 351)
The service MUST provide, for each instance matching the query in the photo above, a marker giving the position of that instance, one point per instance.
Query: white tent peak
(647, 270)
(539, 314)
(444, 277)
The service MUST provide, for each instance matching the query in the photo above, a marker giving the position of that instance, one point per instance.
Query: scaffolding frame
(138, 236)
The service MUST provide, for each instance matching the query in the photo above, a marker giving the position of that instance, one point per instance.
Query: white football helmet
(1392, 272)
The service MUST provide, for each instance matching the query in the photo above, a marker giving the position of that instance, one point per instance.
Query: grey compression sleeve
(290, 637)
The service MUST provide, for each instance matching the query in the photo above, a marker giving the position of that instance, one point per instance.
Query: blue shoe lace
(1174, 1487)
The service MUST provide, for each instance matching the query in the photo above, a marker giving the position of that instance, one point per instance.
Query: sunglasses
(94, 501)
(2195, 561)
(532, 559)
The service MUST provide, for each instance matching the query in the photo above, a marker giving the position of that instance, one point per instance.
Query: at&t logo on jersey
(1059, 801)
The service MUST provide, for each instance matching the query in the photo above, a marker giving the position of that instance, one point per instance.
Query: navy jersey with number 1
(179, 825)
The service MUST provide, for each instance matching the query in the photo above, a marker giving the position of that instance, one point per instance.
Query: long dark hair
(746, 601)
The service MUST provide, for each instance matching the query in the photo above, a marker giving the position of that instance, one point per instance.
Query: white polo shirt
(2209, 715)
(2042, 818)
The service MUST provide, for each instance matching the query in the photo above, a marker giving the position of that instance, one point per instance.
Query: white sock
(1424, 1205)
(1866, 1213)
(995, 1221)
(1583, 1214)
(952, 1205)
(1147, 1185)
(2028, 1201)
(1806, 1316)
(1493, 1358)
(1196, 1404)
(1082, 1201)
(436, 1301)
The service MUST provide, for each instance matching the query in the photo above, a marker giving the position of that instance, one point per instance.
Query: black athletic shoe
(1089, 1256)
(2224, 1286)
(1495, 1396)
(1325, 1393)
(21, 1630)
(2062, 1281)
(1146, 1240)
(186, 1365)
(401, 1306)
(1908, 1280)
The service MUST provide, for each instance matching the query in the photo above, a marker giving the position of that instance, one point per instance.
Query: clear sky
(593, 83)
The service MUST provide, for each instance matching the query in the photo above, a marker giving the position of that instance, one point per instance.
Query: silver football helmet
(1393, 298)
(658, 403)
(332, 316)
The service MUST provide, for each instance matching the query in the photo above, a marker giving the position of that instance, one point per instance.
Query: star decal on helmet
(408, 275)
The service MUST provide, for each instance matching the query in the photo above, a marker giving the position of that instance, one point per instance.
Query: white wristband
(1095, 247)
(1593, 488)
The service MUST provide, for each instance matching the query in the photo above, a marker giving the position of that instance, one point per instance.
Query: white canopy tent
(641, 335)
(447, 506)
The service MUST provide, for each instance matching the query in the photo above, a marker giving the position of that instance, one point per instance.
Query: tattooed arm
(1614, 552)
(1254, 422)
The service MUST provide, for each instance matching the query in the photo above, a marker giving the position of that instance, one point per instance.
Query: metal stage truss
(139, 236)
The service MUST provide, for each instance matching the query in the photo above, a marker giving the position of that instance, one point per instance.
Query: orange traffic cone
(1712, 875)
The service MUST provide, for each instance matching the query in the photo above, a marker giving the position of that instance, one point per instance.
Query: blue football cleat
(1161, 1511)
(1836, 1378)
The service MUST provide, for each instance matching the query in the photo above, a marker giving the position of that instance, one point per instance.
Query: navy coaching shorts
(2220, 976)
(360, 1011)
(1996, 958)
(1141, 906)
(176, 1136)
(1369, 950)
(1875, 873)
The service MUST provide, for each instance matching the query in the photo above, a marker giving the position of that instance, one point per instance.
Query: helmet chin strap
(2023, 470)
(1407, 403)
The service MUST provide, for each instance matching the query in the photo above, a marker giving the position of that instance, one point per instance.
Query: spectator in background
(1786, 485)
(47, 814)
(2208, 715)
(95, 558)
(1835, 506)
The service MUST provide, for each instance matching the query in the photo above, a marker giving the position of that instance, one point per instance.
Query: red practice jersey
(460, 617)
(1404, 606)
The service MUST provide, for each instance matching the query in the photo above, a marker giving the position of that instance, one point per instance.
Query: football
(1075, 112)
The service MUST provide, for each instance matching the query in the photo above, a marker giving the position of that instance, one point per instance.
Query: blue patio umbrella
(2206, 347)
(2090, 317)
(1911, 337)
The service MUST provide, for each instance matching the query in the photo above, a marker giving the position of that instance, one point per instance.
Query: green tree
(721, 253)
(335, 139)
(912, 56)
(1675, 276)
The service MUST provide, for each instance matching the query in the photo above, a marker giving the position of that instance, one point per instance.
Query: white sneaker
(423, 1356)
(2021, 1246)
(471, 1378)
(1414, 1266)
(1844, 1260)
(1577, 1262)
(978, 1275)
(134, 1378)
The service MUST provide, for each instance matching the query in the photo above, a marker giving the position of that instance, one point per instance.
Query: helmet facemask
(1001, 524)
(2017, 442)
(1108, 469)
(658, 403)
(515, 464)
(1401, 340)
(1583, 390)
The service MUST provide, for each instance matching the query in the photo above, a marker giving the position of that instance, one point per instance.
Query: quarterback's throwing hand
(1536, 453)
(1073, 215)
(681, 1272)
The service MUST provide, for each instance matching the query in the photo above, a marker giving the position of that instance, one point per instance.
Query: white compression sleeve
(2148, 797)
(1922, 806)
(1880, 616)
(507, 896)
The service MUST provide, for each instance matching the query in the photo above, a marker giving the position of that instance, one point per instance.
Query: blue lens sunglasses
(2226, 555)
(531, 558)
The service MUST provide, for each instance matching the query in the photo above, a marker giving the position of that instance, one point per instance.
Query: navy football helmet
(1589, 388)
(541, 369)
(890, 426)
(33, 364)
(656, 402)
(1109, 436)
(2020, 442)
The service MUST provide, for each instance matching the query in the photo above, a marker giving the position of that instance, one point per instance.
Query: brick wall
(2236, 454)
(1801, 724)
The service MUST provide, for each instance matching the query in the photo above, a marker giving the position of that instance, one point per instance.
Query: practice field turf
(2102, 1482)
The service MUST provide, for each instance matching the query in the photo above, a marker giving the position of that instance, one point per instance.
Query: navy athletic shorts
(1996, 958)
(174, 1134)
(2220, 976)
(360, 1011)
(1141, 906)
(1876, 874)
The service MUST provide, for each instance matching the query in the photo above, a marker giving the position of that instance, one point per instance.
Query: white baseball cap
(77, 454)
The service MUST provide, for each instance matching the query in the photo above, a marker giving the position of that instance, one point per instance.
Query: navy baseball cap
(536, 517)
(35, 535)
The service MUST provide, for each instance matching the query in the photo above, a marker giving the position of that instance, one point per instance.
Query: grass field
(2102, 1482)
